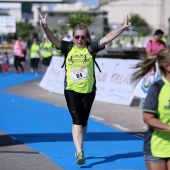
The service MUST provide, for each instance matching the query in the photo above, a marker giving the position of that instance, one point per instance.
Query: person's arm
(155, 123)
(150, 53)
(53, 39)
(150, 108)
(115, 33)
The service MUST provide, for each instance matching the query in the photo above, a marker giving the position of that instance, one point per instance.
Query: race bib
(46, 50)
(36, 55)
(79, 74)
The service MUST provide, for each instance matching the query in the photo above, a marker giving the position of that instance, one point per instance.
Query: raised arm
(53, 39)
(115, 33)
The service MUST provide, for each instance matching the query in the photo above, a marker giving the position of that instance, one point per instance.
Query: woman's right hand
(48, 32)
(43, 21)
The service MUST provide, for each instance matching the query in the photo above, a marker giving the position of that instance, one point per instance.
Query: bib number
(36, 55)
(79, 74)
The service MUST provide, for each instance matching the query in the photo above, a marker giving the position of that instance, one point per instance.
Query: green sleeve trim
(149, 111)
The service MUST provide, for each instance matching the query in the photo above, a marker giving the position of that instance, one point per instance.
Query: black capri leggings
(79, 105)
(46, 61)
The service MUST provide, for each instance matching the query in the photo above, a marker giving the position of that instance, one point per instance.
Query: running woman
(80, 82)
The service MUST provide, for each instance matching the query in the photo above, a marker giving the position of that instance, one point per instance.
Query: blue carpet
(13, 79)
(47, 129)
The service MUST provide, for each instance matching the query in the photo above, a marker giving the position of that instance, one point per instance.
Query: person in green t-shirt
(156, 111)
(34, 56)
(46, 53)
(80, 82)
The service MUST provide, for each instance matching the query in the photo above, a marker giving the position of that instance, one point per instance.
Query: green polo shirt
(157, 102)
(79, 66)
(34, 51)
(80, 70)
(46, 49)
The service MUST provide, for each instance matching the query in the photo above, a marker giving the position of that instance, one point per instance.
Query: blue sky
(89, 2)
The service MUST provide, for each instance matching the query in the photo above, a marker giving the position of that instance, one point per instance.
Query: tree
(140, 24)
(73, 19)
(78, 18)
(25, 30)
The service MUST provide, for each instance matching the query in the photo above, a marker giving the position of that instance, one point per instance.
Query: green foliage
(64, 29)
(78, 18)
(35, 35)
(54, 30)
(7, 37)
(25, 30)
(141, 25)
(138, 21)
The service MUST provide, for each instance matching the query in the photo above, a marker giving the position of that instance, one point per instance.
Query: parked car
(131, 31)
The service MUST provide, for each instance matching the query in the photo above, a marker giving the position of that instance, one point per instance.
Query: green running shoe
(80, 158)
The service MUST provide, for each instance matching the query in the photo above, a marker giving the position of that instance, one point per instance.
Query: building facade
(57, 16)
(154, 12)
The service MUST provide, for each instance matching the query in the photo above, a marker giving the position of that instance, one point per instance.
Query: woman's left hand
(127, 22)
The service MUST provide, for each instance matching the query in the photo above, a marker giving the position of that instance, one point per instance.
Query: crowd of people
(37, 57)
(40, 60)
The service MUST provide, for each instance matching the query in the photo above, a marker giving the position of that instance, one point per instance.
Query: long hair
(147, 64)
(82, 27)
(163, 58)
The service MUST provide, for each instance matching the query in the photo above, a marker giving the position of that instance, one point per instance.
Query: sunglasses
(78, 37)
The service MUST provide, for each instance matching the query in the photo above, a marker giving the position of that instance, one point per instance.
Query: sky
(89, 2)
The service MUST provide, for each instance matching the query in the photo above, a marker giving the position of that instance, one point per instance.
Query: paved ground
(14, 155)
(120, 117)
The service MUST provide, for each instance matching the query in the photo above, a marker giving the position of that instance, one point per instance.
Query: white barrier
(113, 84)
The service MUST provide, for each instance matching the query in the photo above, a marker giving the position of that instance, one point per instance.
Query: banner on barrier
(144, 84)
(113, 84)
